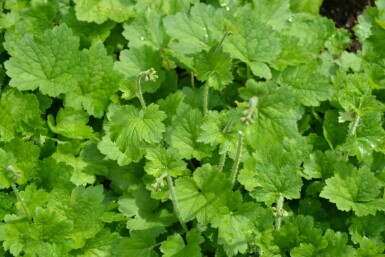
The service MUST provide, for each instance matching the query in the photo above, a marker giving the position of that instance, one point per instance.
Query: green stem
(205, 98)
(352, 132)
(222, 40)
(235, 168)
(139, 91)
(248, 74)
(222, 161)
(175, 202)
(280, 212)
(26, 212)
(192, 80)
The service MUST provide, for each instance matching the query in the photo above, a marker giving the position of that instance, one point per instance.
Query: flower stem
(175, 202)
(352, 132)
(222, 161)
(280, 212)
(205, 98)
(26, 212)
(139, 91)
(235, 167)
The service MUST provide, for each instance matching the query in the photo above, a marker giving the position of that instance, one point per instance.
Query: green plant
(183, 128)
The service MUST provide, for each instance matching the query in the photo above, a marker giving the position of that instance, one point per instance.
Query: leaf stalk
(235, 167)
(175, 202)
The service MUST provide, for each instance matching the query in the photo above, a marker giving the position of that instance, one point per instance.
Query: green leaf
(216, 129)
(253, 43)
(19, 160)
(175, 246)
(337, 245)
(184, 132)
(19, 114)
(275, 13)
(214, 67)
(51, 233)
(277, 173)
(203, 194)
(89, 33)
(133, 61)
(49, 61)
(354, 189)
(71, 123)
(132, 129)
(32, 199)
(236, 227)
(140, 243)
(99, 11)
(144, 212)
(146, 29)
(102, 245)
(334, 130)
(86, 164)
(309, 6)
(276, 118)
(161, 160)
(99, 82)
(320, 164)
(368, 136)
(112, 152)
(195, 31)
(365, 227)
(54, 174)
(84, 207)
(307, 84)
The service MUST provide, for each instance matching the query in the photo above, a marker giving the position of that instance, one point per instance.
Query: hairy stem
(21, 200)
(205, 98)
(175, 202)
(222, 161)
(139, 91)
(235, 167)
(280, 212)
(352, 132)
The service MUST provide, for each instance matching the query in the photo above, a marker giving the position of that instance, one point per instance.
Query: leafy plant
(190, 128)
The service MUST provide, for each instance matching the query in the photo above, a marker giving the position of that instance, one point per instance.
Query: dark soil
(345, 13)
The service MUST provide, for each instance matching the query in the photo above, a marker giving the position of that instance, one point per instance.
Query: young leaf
(71, 123)
(213, 66)
(354, 189)
(175, 246)
(19, 113)
(136, 60)
(216, 129)
(184, 132)
(132, 129)
(161, 160)
(57, 73)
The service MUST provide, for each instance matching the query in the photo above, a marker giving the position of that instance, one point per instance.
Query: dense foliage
(190, 128)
